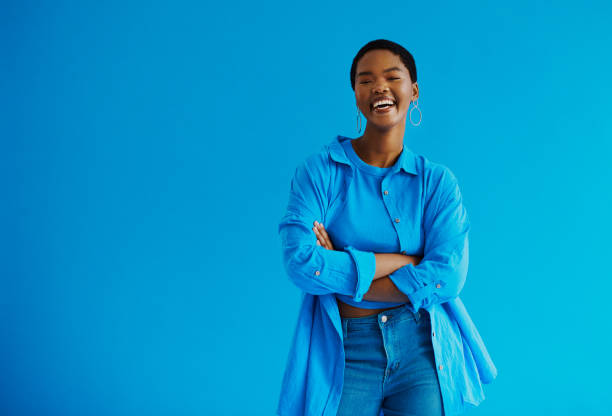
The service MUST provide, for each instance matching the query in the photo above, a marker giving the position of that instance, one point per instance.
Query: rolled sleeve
(420, 294)
(365, 263)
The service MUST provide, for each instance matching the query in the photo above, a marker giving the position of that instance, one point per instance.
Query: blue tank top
(366, 219)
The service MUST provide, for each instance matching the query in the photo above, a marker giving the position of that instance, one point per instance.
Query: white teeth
(381, 102)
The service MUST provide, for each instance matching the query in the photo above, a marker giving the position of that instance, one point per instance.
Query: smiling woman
(377, 238)
(393, 65)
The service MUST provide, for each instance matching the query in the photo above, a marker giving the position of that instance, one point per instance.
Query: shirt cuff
(405, 281)
(365, 262)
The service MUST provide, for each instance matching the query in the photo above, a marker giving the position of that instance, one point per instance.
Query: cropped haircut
(395, 48)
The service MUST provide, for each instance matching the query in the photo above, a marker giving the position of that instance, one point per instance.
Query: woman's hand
(322, 237)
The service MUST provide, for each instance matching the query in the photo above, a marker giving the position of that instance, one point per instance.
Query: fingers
(325, 235)
(322, 236)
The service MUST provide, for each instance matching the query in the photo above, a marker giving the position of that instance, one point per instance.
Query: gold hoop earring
(416, 105)
(358, 121)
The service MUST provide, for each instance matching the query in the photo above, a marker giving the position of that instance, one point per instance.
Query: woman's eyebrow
(393, 68)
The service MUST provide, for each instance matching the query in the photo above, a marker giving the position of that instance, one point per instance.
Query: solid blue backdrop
(146, 153)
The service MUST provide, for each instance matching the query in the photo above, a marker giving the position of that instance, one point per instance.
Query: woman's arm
(313, 269)
(387, 263)
(441, 274)
(382, 288)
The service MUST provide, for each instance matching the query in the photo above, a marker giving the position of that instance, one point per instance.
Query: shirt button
(438, 286)
(441, 367)
(386, 192)
(317, 273)
(433, 333)
(403, 251)
(384, 318)
(397, 220)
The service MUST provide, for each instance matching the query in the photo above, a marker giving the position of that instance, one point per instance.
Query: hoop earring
(416, 105)
(358, 121)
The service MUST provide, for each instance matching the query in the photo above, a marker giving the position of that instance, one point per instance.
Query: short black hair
(396, 48)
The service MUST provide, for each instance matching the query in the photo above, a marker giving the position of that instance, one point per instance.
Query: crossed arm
(382, 288)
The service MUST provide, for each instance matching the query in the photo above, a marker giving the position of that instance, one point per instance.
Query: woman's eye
(365, 82)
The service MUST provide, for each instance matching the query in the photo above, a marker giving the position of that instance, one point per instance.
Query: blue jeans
(390, 365)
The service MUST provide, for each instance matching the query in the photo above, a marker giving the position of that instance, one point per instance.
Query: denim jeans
(390, 365)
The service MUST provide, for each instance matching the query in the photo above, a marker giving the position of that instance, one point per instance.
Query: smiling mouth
(384, 108)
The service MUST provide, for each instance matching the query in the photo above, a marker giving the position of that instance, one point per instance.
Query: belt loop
(344, 328)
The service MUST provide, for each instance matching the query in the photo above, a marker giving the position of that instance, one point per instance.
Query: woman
(376, 237)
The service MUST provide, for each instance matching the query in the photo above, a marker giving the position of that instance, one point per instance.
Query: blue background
(146, 153)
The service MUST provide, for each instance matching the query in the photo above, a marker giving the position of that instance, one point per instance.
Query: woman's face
(381, 73)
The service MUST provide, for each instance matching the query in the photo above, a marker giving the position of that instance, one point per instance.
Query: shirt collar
(407, 159)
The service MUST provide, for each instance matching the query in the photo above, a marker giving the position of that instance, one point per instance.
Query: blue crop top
(366, 219)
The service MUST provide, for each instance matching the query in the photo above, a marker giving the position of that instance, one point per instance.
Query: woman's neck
(380, 148)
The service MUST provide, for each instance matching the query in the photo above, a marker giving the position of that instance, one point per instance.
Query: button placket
(386, 199)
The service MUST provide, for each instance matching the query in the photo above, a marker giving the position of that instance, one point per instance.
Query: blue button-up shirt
(434, 225)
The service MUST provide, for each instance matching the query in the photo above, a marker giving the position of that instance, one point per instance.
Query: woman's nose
(380, 86)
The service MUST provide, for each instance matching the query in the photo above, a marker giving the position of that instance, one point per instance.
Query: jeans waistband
(385, 316)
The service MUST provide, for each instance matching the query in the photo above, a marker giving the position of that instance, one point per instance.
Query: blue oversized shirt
(424, 202)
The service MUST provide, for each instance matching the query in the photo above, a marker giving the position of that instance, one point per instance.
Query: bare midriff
(350, 311)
